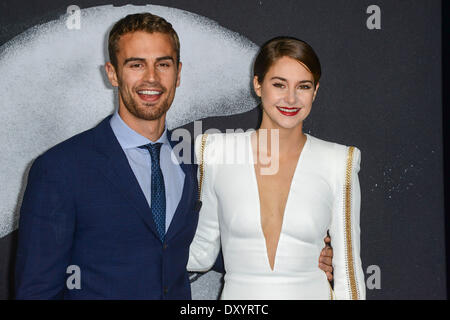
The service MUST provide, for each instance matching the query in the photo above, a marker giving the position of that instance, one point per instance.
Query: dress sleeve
(345, 230)
(206, 244)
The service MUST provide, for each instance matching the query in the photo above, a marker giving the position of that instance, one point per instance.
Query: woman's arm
(206, 244)
(345, 230)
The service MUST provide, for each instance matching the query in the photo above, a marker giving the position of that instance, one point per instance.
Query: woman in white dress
(270, 196)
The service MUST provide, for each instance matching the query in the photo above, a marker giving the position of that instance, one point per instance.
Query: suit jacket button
(165, 246)
(166, 290)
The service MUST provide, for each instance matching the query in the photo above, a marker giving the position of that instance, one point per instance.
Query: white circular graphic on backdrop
(53, 85)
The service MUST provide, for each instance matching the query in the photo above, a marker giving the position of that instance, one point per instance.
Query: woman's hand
(326, 258)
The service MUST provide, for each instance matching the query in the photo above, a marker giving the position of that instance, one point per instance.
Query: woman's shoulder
(219, 138)
(217, 144)
(333, 150)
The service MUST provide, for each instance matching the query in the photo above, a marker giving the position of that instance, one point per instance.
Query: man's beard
(147, 111)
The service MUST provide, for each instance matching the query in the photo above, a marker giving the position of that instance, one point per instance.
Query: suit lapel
(189, 190)
(118, 171)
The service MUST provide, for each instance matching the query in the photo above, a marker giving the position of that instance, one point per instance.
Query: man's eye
(136, 65)
(164, 65)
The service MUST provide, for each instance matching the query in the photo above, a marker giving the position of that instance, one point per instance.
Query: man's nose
(151, 74)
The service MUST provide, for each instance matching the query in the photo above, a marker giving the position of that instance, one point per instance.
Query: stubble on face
(148, 64)
(144, 110)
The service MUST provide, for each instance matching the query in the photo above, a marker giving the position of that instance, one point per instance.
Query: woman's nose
(291, 98)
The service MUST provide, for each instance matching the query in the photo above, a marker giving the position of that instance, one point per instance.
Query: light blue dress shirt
(140, 162)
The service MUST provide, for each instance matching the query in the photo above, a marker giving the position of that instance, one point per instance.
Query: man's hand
(326, 257)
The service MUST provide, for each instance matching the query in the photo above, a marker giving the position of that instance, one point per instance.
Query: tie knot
(154, 150)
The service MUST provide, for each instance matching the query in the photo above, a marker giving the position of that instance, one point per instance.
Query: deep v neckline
(258, 211)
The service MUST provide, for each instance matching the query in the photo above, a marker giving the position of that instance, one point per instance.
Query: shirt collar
(128, 138)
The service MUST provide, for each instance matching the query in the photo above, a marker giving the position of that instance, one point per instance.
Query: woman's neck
(290, 140)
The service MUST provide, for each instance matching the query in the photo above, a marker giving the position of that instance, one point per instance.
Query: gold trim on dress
(331, 291)
(201, 166)
(348, 226)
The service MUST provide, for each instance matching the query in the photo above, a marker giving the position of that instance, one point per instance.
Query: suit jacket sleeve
(46, 230)
(345, 230)
(205, 247)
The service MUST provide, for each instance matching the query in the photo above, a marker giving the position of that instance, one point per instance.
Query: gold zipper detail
(331, 291)
(348, 225)
(201, 166)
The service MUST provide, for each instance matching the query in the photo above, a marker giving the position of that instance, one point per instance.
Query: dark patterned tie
(158, 197)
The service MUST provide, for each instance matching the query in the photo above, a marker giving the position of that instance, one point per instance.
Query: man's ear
(111, 73)
(179, 73)
(315, 91)
(257, 86)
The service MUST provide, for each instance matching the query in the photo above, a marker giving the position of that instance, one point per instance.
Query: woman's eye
(278, 85)
(305, 87)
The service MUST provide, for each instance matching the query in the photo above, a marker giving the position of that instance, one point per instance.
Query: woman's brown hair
(279, 47)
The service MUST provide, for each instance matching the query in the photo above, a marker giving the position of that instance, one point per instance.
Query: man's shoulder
(74, 147)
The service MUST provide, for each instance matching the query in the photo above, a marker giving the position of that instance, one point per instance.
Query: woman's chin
(287, 124)
(283, 122)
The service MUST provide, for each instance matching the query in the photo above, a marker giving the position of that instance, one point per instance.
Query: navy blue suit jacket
(83, 206)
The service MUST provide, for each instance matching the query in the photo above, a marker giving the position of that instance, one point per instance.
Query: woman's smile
(287, 111)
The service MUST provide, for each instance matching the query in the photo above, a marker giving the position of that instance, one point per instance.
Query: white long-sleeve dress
(324, 195)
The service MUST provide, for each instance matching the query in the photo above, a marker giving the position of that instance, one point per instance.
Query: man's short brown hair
(140, 22)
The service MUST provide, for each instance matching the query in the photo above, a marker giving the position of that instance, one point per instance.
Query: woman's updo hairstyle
(279, 47)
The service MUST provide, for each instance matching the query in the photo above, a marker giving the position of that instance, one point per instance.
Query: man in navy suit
(111, 202)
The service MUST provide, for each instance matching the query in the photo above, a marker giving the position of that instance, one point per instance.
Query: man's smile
(150, 95)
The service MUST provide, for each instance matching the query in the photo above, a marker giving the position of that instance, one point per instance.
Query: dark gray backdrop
(380, 91)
